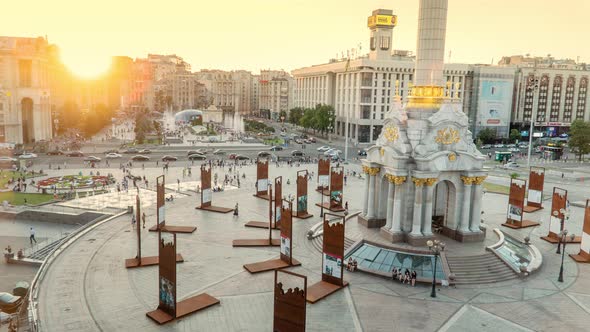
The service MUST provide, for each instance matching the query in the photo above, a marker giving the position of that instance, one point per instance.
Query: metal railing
(33, 293)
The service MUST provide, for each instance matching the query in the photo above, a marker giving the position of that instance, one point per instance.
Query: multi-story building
(179, 91)
(363, 89)
(229, 91)
(254, 93)
(275, 91)
(552, 92)
(26, 69)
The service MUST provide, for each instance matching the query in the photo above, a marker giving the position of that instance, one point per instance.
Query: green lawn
(5, 176)
(496, 188)
(15, 198)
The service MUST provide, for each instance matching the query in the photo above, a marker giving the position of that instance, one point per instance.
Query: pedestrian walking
(236, 210)
(32, 237)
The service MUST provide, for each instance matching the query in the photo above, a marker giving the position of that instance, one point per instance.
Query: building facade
(26, 69)
(275, 92)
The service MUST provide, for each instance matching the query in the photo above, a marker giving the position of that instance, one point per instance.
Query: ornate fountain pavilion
(424, 175)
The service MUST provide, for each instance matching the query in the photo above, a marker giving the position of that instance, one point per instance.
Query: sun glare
(86, 66)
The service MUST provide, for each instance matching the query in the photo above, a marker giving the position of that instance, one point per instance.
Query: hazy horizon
(281, 34)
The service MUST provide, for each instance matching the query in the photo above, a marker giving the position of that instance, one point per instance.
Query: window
(25, 72)
(384, 42)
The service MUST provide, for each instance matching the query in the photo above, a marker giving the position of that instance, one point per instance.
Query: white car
(7, 159)
(324, 148)
(511, 165)
(28, 156)
(113, 155)
(332, 153)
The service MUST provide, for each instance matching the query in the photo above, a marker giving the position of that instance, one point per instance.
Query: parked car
(27, 155)
(334, 151)
(5, 159)
(92, 159)
(312, 139)
(232, 156)
(323, 148)
(131, 150)
(510, 165)
(218, 152)
(276, 148)
(486, 146)
(514, 150)
(145, 151)
(140, 157)
(264, 154)
(169, 158)
(111, 151)
(113, 155)
(299, 141)
(202, 151)
(499, 145)
(75, 154)
(241, 157)
(55, 153)
(196, 156)
(297, 153)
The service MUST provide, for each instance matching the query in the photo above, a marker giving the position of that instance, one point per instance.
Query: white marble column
(427, 220)
(371, 201)
(465, 208)
(476, 207)
(397, 208)
(383, 197)
(366, 201)
(390, 198)
(418, 199)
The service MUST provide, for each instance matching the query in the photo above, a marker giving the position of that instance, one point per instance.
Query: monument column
(366, 201)
(417, 220)
(427, 220)
(373, 171)
(397, 204)
(465, 209)
(476, 202)
(390, 199)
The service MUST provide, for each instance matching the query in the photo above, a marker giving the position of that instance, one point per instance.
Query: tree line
(319, 119)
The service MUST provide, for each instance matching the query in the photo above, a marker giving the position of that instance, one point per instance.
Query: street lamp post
(565, 213)
(563, 238)
(436, 247)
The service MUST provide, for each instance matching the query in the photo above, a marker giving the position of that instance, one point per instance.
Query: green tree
(514, 135)
(579, 141)
(69, 116)
(487, 135)
(295, 115)
(307, 120)
(143, 125)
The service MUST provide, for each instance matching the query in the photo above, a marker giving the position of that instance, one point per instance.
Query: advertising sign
(495, 102)
(536, 185)
(262, 176)
(206, 191)
(333, 250)
(167, 273)
(323, 173)
(382, 20)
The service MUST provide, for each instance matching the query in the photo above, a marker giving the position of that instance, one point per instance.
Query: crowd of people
(405, 277)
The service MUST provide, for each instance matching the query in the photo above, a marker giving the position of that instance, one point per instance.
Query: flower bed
(75, 181)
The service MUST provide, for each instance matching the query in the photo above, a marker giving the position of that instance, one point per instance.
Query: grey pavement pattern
(88, 289)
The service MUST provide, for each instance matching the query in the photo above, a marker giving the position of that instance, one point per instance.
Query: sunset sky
(288, 34)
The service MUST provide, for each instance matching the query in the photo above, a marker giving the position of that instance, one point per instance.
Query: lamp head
(429, 243)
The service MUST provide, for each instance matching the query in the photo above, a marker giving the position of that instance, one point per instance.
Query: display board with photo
(332, 265)
(302, 203)
(262, 185)
(167, 295)
(535, 196)
(285, 245)
(514, 212)
(207, 195)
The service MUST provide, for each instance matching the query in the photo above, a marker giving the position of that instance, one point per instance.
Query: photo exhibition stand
(286, 242)
(161, 212)
(289, 313)
(140, 261)
(514, 214)
(336, 191)
(268, 242)
(277, 198)
(557, 217)
(584, 255)
(302, 199)
(168, 307)
(262, 178)
(332, 259)
(535, 192)
(323, 175)
(207, 192)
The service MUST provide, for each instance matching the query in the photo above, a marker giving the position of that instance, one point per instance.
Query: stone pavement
(87, 288)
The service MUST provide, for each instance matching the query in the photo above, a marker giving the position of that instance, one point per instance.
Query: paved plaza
(87, 287)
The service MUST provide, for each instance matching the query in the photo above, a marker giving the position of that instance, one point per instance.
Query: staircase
(480, 269)
(318, 243)
(42, 253)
